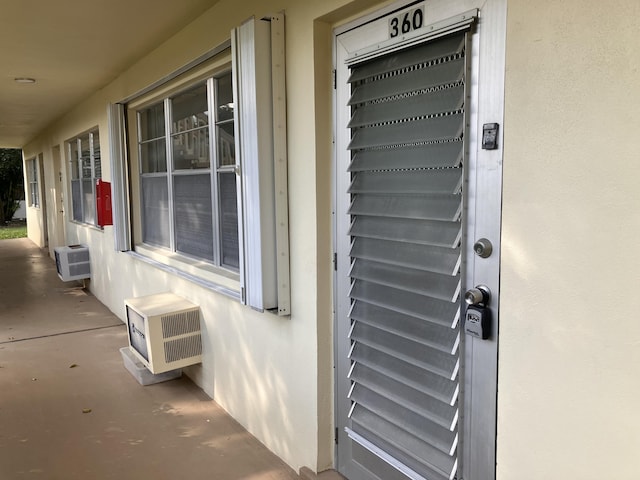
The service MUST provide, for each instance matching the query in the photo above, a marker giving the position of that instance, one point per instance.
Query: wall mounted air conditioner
(164, 331)
(72, 262)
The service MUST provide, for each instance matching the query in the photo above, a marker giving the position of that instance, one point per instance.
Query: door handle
(477, 319)
(480, 295)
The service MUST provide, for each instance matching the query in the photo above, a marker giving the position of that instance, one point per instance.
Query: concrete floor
(70, 410)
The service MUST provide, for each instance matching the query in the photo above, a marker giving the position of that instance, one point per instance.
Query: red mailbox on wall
(103, 203)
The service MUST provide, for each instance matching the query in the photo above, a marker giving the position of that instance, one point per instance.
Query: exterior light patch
(25, 80)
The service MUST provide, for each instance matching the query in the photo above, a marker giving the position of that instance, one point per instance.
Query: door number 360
(406, 22)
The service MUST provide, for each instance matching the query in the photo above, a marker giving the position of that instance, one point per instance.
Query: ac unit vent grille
(180, 323)
(79, 256)
(181, 348)
(78, 269)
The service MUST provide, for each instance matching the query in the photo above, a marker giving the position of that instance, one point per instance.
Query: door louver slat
(432, 284)
(432, 51)
(418, 452)
(431, 155)
(410, 421)
(438, 412)
(433, 207)
(408, 181)
(448, 313)
(427, 232)
(429, 383)
(425, 130)
(421, 105)
(423, 79)
(426, 257)
(419, 354)
(407, 151)
(436, 336)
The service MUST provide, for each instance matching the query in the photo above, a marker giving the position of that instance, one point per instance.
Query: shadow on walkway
(70, 410)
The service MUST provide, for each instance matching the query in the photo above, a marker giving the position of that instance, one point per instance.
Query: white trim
(278, 74)
(119, 177)
(252, 52)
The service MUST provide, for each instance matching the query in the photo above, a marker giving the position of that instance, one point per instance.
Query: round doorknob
(479, 295)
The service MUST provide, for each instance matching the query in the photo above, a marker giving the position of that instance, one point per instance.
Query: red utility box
(103, 203)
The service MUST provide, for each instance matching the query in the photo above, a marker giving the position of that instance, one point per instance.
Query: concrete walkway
(70, 410)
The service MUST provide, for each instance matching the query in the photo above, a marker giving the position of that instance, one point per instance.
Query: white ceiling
(72, 48)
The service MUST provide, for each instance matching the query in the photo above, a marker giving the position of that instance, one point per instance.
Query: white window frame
(80, 176)
(32, 177)
(257, 56)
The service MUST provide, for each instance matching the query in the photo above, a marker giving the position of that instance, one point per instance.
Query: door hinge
(336, 437)
(335, 79)
(335, 261)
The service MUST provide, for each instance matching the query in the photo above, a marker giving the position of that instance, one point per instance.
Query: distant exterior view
(21, 212)
(11, 185)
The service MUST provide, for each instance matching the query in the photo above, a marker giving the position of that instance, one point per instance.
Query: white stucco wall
(569, 338)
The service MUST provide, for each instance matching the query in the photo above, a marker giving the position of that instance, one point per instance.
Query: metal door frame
(479, 413)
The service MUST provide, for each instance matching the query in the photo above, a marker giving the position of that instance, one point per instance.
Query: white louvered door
(402, 230)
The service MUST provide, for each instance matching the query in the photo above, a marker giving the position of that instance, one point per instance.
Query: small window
(32, 175)
(86, 168)
(186, 149)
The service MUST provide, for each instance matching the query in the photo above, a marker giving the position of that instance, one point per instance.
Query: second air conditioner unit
(164, 331)
(72, 262)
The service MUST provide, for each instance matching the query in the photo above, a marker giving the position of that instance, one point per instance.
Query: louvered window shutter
(407, 152)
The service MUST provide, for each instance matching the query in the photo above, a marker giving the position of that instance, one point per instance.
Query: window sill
(88, 225)
(196, 271)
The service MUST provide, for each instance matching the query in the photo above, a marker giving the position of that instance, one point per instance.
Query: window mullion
(140, 142)
(213, 154)
(169, 154)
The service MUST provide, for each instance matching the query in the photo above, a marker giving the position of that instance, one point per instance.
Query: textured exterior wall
(569, 338)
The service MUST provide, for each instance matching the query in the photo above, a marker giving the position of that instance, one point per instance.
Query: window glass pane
(229, 220)
(32, 169)
(193, 213)
(189, 110)
(97, 161)
(224, 98)
(85, 157)
(88, 201)
(226, 145)
(191, 149)
(153, 156)
(75, 171)
(155, 207)
(151, 122)
(76, 200)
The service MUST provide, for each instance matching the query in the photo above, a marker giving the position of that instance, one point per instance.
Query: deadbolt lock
(483, 248)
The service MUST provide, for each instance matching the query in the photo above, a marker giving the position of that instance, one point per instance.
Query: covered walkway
(70, 410)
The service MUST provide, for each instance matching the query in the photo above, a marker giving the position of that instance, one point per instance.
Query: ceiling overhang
(72, 48)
